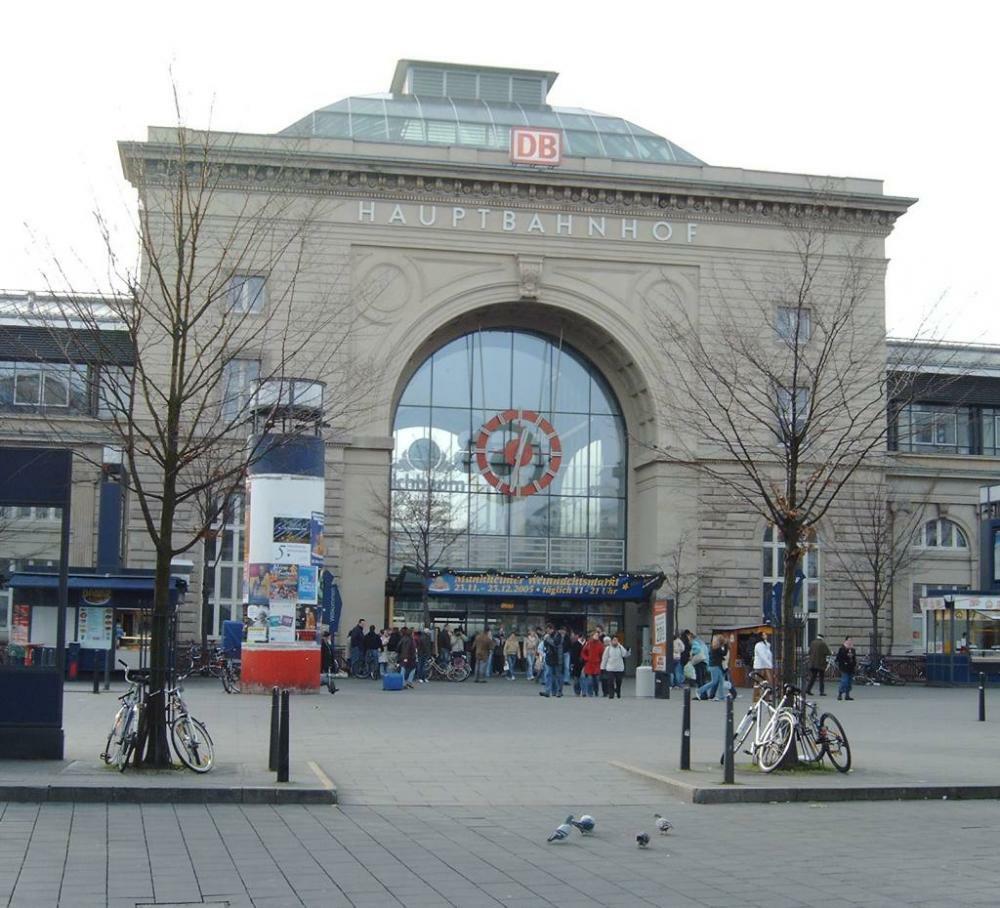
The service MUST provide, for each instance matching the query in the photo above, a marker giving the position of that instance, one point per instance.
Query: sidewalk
(500, 743)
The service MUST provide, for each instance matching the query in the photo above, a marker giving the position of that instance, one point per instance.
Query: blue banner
(623, 586)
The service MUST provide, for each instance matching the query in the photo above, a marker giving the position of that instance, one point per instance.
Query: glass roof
(417, 120)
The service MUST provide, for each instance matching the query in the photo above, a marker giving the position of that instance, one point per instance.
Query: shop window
(943, 533)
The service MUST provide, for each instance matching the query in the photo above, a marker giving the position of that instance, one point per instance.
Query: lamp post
(949, 604)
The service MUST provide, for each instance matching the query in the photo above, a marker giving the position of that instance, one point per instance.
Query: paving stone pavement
(449, 791)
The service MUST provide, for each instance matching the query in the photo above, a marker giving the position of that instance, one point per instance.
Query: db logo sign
(535, 146)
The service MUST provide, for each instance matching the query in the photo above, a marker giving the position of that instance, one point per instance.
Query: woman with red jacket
(591, 655)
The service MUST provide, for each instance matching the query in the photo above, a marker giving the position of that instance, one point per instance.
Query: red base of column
(285, 665)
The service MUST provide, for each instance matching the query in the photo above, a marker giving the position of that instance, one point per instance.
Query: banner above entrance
(623, 586)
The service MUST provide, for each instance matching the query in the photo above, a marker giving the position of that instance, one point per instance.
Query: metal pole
(109, 658)
(729, 777)
(686, 731)
(671, 630)
(97, 673)
(951, 657)
(982, 696)
(283, 739)
(272, 761)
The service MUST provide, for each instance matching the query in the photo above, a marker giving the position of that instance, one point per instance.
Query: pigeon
(562, 831)
(663, 824)
(642, 839)
(585, 824)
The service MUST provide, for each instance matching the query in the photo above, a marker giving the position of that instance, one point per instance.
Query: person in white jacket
(613, 664)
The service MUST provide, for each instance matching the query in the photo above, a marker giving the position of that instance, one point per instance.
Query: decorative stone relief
(529, 268)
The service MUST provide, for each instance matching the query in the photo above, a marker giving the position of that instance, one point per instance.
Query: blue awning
(136, 583)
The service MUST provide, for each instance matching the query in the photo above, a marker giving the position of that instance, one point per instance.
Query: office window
(991, 431)
(807, 597)
(933, 429)
(790, 320)
(247, 293)
(793, 411)
(36, 387)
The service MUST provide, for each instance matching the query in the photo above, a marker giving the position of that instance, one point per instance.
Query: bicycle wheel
(114, 742)
(458, 672)
(127, 740)
(740, 735)
(773, 750)
(192, 743)
(831, 734)
(231, 680)
(808, 743)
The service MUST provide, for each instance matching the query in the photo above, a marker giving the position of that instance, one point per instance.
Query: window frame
(957, 532)
(238, 297)
(242, 398)
(793, 323)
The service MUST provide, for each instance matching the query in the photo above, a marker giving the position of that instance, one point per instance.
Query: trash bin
(644, 681)
(662, 686)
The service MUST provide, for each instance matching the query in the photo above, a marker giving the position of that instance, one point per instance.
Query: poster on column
(317, 526)
(660, 641)
(292, 540)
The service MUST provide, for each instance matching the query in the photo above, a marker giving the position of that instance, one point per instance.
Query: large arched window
(523, 446)
(942, 533)
(774, 571)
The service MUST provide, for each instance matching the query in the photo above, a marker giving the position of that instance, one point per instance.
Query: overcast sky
(903, 92)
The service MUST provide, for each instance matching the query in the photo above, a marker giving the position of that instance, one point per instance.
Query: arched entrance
(509, 484)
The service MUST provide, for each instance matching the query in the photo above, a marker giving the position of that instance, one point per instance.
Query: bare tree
(883, 531)
(217, 323)
(778, 387)
(680, 582)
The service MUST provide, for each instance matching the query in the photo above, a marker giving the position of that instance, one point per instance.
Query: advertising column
(284, 554)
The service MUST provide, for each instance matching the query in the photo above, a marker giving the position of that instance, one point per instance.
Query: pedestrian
(425, 652)
(392, 646)
(613, 663)
(699, 659)
(530, 653)
(373, 646)
(383, 653)
(605, 678)
(552, 641)
(356, 638)
(576, 662)
(679, 660)
(511, 652)
(406, 653)
(763, 663)
(444, 645)
(567, 664)
(847, 662)
(457, 644)
(482, 647)
(591, 654)
(819, 652)
(715, 687)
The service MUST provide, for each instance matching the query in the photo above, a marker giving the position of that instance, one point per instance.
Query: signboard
(292, 537)
(317, 541)
(535, 146)
(308, 591)
(96, 627)
(623, 586)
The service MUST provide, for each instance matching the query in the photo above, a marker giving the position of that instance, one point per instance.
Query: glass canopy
(416, 120)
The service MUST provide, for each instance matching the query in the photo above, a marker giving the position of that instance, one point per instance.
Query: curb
(745, 794)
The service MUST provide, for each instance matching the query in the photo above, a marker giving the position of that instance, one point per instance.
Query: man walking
(373, 646)
(482, 646)
(819, 652)
(847, 662)
(357, 641)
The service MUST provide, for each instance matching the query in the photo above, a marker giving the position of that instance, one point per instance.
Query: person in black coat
(847, 662)
(373, 645)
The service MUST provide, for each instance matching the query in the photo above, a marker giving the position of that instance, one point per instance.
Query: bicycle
(773, 728)
(212, 663)
(189, 737)
(819, 736)
(454, 671)
(882, 674)
(124, 732)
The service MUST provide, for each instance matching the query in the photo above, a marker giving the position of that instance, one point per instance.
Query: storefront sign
(660, 641)
(96, 597)
(622, 586)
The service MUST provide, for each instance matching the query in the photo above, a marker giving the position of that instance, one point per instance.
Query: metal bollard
(729, 776)
(686, 731)
(272, 760)
(283, 739)
(982, 696)
(97, 676)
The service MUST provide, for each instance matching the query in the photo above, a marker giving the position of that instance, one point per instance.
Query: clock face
(518, 452)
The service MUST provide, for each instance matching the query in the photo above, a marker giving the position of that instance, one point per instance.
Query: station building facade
(501, 257)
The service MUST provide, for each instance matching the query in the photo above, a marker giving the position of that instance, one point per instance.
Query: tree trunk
(874, 647)
(425, 605)
(157, 750)
(793, 558)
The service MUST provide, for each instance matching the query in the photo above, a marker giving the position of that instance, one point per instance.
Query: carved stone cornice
(436, 182)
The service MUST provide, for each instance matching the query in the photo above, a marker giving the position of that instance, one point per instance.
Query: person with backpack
(553, 643)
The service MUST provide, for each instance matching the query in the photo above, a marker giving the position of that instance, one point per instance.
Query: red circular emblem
(524, 464)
